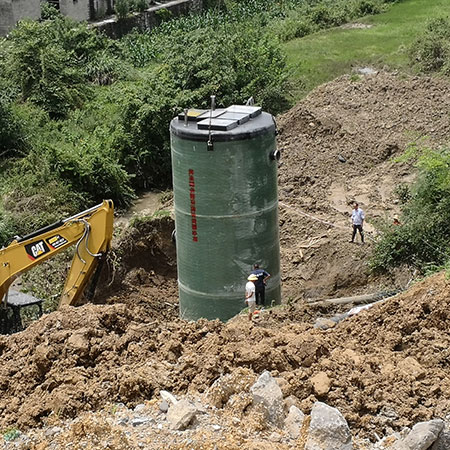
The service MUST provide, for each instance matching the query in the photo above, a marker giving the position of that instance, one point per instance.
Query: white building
(11, 11)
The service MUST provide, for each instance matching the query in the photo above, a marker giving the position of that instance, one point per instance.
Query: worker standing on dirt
(250, 297)
(260, 285)
(358, 222)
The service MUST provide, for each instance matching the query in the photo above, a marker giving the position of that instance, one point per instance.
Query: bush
(122, 8)
(367, 7)
(143, 140)
(140, 5)
(32, 197)
(46, 60)
(431, 51)
(88, 163)
(294, 26)
(423, 239)
(8, 228)
(48, 11)
(104, 69)
(12, 133)
(138, 48)
(164, 14)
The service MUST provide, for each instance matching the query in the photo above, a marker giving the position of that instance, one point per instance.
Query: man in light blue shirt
(358, 222)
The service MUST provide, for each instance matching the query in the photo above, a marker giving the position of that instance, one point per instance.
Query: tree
(12, 135)
(234, 63)
(48, 61)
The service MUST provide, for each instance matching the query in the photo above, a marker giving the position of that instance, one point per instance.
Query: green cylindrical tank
(224, 165)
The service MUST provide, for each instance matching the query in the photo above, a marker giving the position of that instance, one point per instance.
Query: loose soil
(388, 366)
(366, 123)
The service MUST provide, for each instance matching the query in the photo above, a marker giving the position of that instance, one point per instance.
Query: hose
(85, 237)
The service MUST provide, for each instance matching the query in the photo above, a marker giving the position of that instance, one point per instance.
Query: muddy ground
(388, 366)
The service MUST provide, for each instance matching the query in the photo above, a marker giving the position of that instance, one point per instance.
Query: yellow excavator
(90, 231)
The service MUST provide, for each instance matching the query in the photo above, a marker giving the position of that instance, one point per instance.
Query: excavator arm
(90, 231)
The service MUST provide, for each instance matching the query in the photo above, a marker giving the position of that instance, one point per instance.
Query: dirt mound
(387, 367)
(142, 269)
(339, 145)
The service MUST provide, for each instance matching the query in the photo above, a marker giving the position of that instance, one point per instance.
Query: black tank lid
(237, 122)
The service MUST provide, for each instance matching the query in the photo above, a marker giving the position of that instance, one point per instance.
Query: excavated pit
(388, 366)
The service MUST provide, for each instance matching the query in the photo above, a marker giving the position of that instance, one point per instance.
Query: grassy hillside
(321, 57)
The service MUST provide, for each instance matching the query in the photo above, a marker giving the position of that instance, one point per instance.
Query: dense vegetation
(83, 117)
(422, 239)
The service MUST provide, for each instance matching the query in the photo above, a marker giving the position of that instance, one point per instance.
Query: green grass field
(321, 57)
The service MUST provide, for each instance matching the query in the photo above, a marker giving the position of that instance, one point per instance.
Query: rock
(225, 387)
(421, 437)
(367, 71)
(267, 393)
(442, 442)
(324, 323)
(122, 421)
(321, 383)
(216, 427)
(164, 406)
(389, 412)
(50, 432)
(275, 437)
(41, 358)
(139, 407)
(292, 400)
(168, 397)
(180, 414)
(328, 429)
(293, 423)
(137, 421)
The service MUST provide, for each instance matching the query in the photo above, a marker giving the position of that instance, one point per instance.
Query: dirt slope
(366, 123)
(388, 366)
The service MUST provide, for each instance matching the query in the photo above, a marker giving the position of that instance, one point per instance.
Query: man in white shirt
(358, 222)
(250, 297)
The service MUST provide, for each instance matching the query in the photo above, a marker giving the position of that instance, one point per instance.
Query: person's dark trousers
(361, 232)
(260, 296)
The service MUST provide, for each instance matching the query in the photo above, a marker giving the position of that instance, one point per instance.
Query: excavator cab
(10, 316)
(91, 233)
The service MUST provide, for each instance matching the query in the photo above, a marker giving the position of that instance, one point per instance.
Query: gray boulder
(442, 442)
(267, 393)
(328, 429)
(421, 437)
(164, 406)
(181, 414)
(138, 421)
(293, 423)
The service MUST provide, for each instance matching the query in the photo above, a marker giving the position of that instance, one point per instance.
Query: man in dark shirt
(260, 284)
